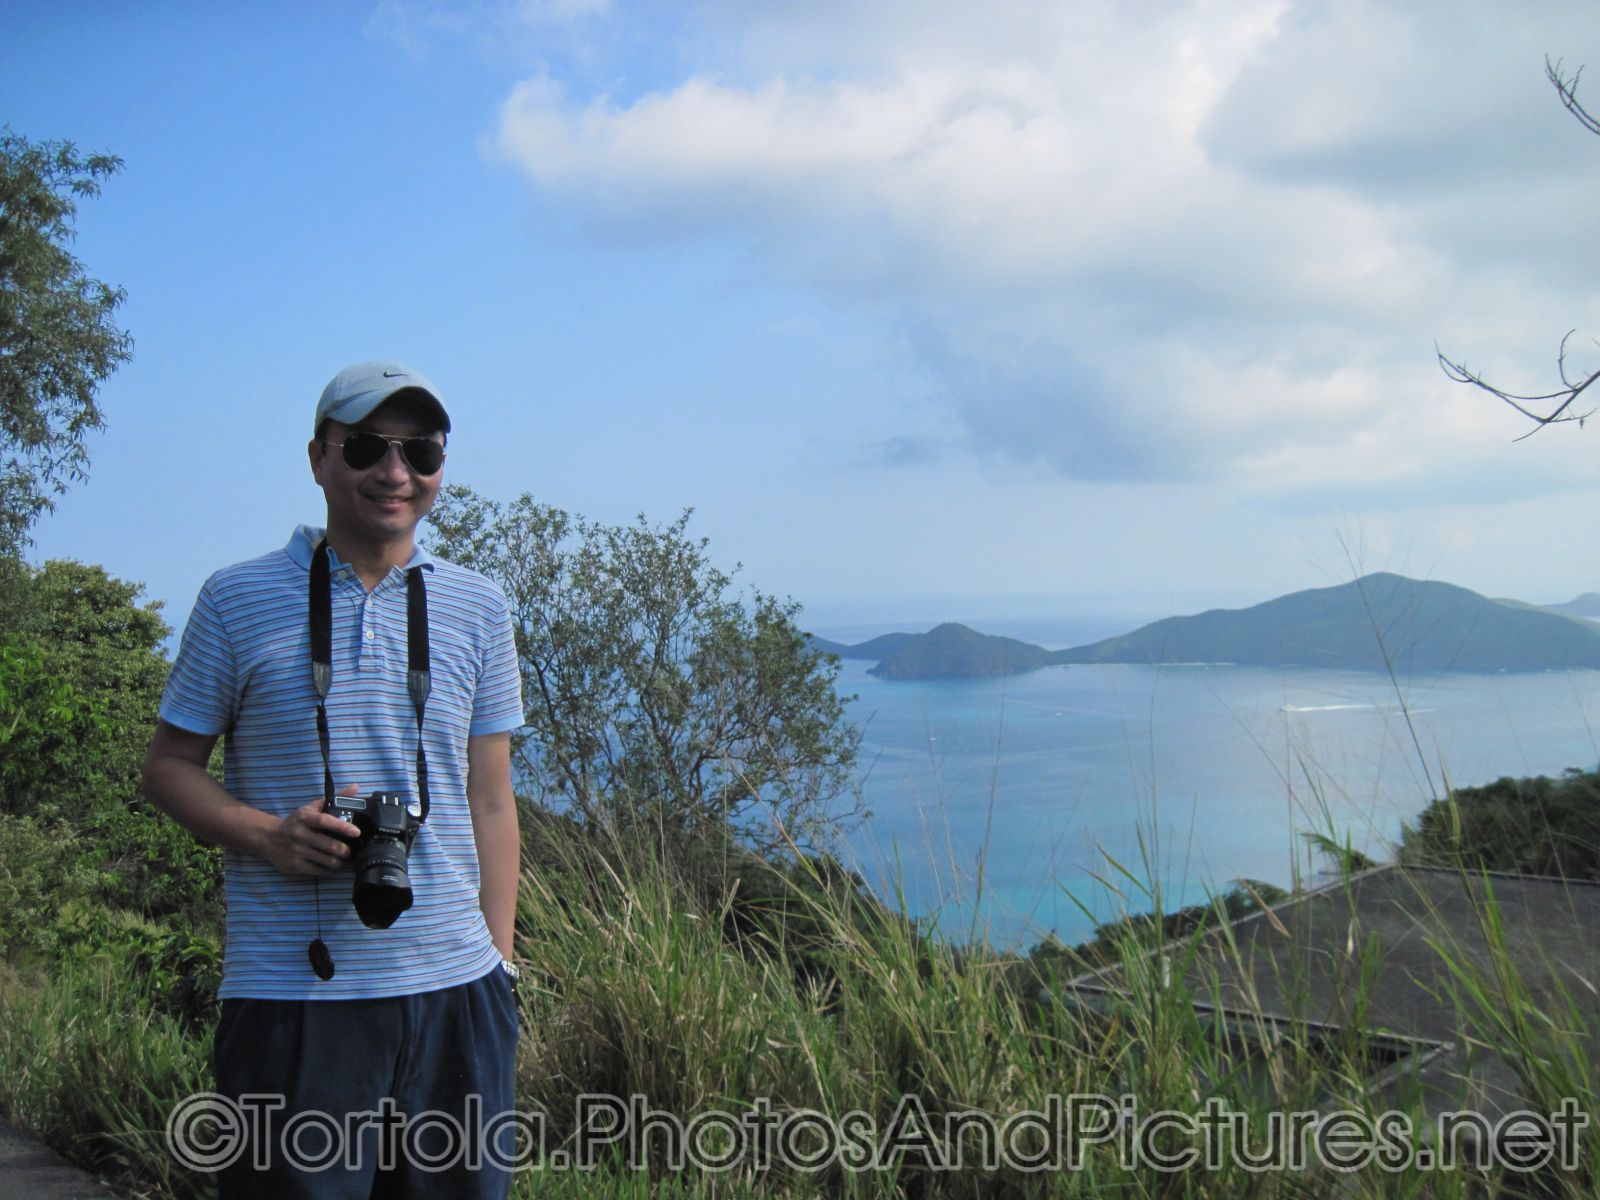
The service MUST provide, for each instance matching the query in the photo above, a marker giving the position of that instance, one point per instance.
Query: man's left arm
(494, 832)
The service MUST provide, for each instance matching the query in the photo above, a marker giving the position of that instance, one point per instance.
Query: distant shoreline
(1380, 622)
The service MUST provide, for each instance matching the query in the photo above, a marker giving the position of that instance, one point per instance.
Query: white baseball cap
(354, 392)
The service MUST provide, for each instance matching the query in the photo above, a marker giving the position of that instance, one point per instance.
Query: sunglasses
(363, 449)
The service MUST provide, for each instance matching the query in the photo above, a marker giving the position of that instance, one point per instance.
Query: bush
(39, 875)
(43, 720)
(1535, 826)
(82, 678)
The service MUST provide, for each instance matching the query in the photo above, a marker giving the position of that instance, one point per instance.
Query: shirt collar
(305, 538)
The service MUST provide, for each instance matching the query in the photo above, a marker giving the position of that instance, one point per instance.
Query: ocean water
(1011, 808)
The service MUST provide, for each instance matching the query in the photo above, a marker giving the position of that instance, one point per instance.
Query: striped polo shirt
(244, 670)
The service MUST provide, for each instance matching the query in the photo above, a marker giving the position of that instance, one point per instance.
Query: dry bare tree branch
(1569, 94)
(1571, 388)
(1567, 394)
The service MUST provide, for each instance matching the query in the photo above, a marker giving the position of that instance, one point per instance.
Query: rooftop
(1395, 956)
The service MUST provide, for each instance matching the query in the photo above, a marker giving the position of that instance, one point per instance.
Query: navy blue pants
(351, 1099)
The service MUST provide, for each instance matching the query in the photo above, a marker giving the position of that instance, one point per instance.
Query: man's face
(383, 503)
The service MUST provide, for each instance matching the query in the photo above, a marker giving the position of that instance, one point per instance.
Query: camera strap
(419, 679)
(418, 682)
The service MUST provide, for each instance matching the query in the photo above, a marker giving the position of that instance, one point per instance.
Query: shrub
(1537, 826)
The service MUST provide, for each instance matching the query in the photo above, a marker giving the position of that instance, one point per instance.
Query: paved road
(29, 1170)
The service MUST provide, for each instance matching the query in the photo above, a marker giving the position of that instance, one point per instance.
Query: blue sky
(927, 309)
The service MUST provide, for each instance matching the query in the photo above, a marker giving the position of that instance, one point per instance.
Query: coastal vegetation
(1538, 826)
(693, 967)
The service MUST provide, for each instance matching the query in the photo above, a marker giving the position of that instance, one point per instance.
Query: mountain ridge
(1375, 622)
(1380, 621)
(1586, 605)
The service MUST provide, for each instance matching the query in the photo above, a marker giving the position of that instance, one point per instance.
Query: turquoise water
(1054, 787)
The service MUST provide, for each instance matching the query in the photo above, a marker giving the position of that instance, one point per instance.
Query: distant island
(1586, 605)
(952, 651)
(1369, 624)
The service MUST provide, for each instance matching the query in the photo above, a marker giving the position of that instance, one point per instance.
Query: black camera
(387, 824)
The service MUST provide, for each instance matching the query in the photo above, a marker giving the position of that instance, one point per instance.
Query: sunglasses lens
(362, 450)
(424, 455)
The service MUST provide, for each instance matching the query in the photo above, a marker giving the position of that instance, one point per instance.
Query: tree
(58, 341)
(1572, 386)
(99, 639)
(42, 719)
(656, 700)
(83, 675)
(1535, 826)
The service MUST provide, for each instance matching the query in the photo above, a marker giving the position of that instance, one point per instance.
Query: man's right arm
(308, 841)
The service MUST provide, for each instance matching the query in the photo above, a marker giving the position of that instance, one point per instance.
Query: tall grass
(90, 1062)
(640, 992)
(705, 984)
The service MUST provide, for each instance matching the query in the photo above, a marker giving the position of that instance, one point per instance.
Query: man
(333, 1016)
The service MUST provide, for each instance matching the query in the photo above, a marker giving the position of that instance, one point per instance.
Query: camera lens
(383, 888)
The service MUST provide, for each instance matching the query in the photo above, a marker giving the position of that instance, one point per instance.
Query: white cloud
(1149, 240)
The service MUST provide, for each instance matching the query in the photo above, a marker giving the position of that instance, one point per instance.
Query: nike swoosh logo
(394, 374)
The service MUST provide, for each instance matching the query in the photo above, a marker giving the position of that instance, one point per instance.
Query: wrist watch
(510, 968)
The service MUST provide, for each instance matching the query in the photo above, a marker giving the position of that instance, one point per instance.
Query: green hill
(875, 648)
(952, 651)
(823, 646)
(880, 647)
(1421, 625)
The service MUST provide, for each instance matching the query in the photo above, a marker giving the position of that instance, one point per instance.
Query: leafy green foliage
(657, 701)
(39, 875)
(94, 638)
(58, 341)
(85, 634)
(42, 718)
(1341, 855)
(1538, 826)
(54, 909)
(178, 962)
(96, 888)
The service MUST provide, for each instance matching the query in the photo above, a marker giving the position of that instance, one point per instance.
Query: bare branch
(1568, 88)
(1565, 396)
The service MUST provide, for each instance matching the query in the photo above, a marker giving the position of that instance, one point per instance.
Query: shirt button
(371, 634)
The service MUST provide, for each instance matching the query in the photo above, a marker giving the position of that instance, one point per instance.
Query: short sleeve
(201, 691)
(497, 703)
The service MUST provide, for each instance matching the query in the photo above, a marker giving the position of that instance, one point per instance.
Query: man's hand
(310, 841)
(306, 842)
